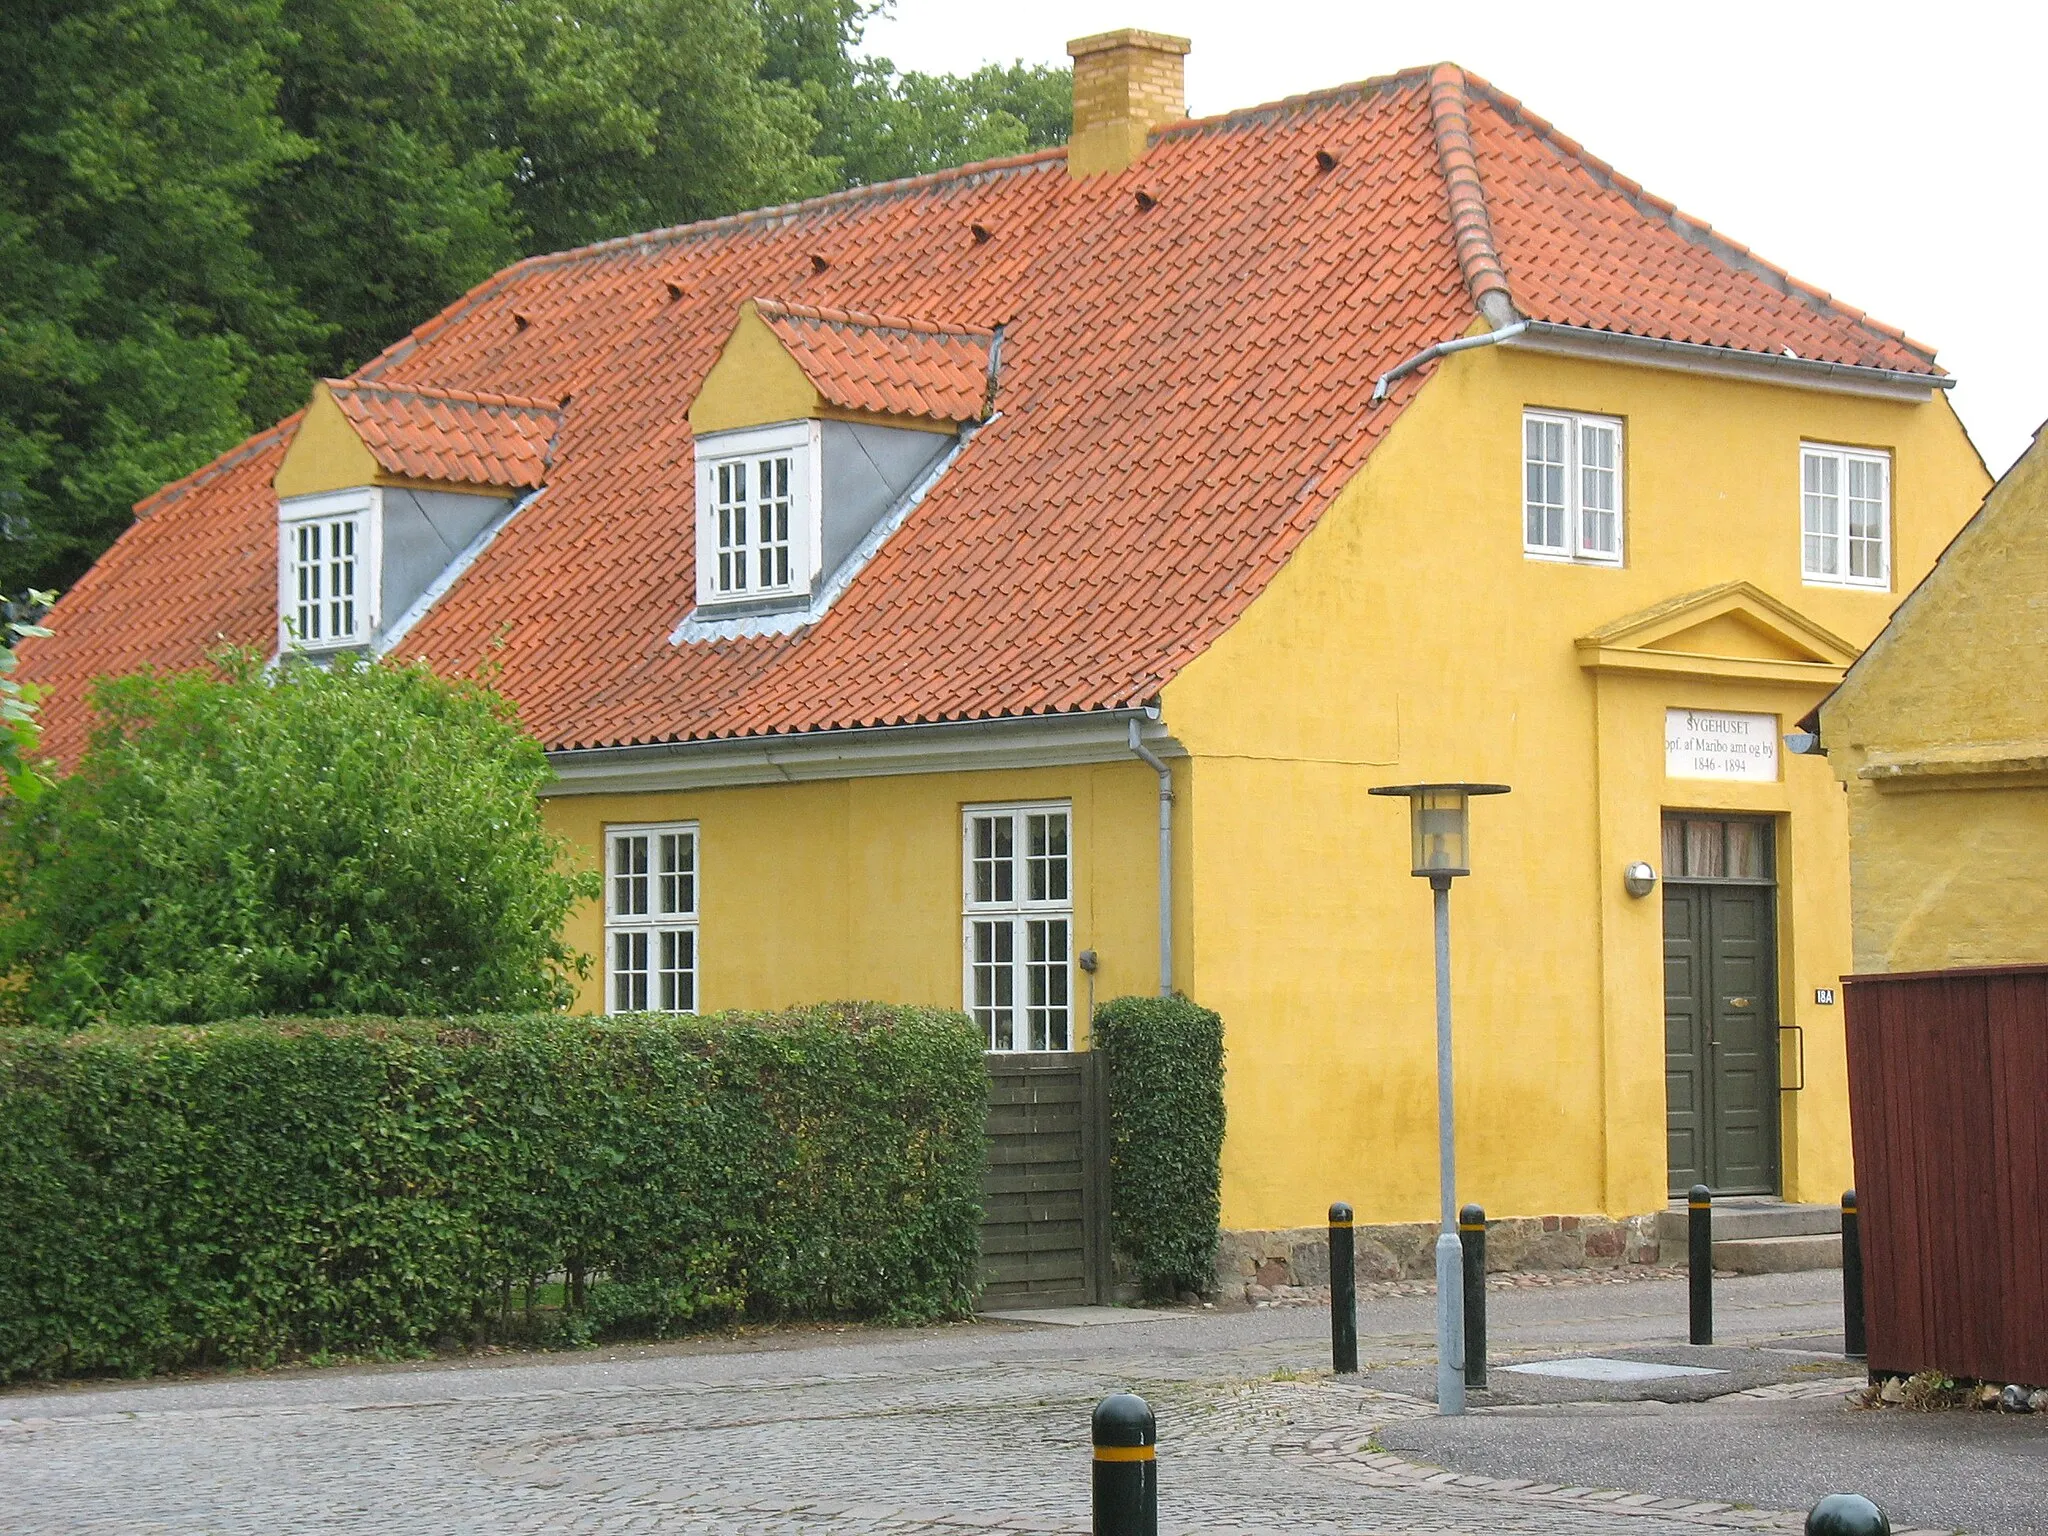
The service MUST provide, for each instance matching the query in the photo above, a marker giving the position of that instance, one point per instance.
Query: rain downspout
(1445, 349)
(1152, 760)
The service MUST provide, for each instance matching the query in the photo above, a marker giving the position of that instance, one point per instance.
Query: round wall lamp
(1639, 879)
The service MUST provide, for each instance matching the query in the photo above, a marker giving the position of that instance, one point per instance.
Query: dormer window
(384, 497)
(757, 512)
(817, 431)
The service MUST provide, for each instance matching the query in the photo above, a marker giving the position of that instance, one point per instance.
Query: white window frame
(653, 961)
(1036, 931)
(1820, 545)
(361, 510)
(801, 443)
(1578, 511)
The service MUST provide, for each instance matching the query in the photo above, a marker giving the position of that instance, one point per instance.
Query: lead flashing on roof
(944, 746)
(1728, 362)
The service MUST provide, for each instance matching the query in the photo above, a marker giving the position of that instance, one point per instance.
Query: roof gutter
(1737, 362)
(1686, 356)
(942, 746)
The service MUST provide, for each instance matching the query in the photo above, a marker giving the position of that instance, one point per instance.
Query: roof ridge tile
(874, 322)
(486, 398)
(1450, 124)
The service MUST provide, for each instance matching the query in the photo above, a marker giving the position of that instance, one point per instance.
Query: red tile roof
(1186, 381)
(887, 364)
(453, 436)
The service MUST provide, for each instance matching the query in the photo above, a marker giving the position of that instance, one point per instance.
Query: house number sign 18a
(1717, 744)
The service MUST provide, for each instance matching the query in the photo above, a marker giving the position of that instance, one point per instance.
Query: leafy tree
(878, 125)
(450, 137)
(364, 839)
(139, 330)
(20, 735)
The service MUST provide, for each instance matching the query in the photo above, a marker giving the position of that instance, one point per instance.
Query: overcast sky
(1896, 156)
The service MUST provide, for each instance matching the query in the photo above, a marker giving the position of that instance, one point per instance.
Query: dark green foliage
(363, 839)
(140, 331)
(206, 203)
(1165, 1061)
(249, 1192)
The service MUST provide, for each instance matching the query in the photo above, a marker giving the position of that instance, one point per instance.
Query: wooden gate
(1948, 1103)
(1045, 1195)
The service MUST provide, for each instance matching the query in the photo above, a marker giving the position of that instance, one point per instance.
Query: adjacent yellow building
(1003, 589)
(1939, 734)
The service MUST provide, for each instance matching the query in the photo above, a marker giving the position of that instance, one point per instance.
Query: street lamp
(1440, 830)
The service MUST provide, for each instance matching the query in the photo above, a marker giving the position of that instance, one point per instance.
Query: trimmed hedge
(1165, 1061)
(244, 1193)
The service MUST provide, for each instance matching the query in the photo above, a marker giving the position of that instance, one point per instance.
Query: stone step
(1737, 1222)
(1779, 1255)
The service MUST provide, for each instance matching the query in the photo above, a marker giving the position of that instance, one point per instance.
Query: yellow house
(1004, 588)
(1939, 733)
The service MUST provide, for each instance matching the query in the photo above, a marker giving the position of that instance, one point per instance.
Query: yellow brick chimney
(1126, 83)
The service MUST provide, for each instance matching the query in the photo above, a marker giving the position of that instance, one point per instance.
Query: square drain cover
(1596, 1368)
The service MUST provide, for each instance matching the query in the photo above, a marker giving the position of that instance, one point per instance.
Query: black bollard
(1854, 1345)
(1472, 1238)
(1343, 1293)
(1699, 1260)
(1126, 1492)
(1847, 1514)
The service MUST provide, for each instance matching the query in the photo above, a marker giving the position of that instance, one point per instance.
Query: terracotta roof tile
(462, 437)
(1184, 389)
(888, 364)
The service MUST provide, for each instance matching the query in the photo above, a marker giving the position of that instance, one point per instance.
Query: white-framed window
(1017, 865)
(1571, 487)
(650, 918)
(757, 512)
(326, 570)
(1845, 516)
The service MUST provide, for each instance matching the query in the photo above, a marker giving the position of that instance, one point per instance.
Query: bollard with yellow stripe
(1126, 1482)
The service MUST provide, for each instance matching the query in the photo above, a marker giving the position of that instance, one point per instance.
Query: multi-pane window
(1571, 487)
(1845, 517)
(1019, 926)
(320, 585)
(650, 881)
(752, 502)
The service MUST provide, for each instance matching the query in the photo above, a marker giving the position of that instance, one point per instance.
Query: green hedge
(1165, 1061)
(251, 1192)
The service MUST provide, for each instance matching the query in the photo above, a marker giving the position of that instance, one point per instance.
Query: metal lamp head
(1439, 825)
(1639, 879)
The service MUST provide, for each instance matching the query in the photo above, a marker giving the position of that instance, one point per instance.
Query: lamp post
(1439, 829)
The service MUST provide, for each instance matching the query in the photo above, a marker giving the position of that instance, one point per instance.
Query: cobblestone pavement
(966, 1429)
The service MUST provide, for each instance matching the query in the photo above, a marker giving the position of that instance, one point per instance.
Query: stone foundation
(1407, 1250)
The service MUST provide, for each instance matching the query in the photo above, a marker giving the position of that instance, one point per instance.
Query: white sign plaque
(1717, 744)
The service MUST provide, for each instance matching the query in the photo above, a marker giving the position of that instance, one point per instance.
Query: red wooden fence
(1948, 1097)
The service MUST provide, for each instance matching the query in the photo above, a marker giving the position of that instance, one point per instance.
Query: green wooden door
(1720, 1008)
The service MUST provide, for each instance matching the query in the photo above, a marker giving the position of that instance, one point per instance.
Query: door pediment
(1735, 630)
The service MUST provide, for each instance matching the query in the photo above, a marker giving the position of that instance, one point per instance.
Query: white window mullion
(651, 952)
(1572, 488)
(1844, 517)
(1017, 874)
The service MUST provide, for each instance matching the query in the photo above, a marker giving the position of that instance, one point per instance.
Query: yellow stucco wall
(325, 454)
(851, 888)
(1410, 638)
(1941, 738)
